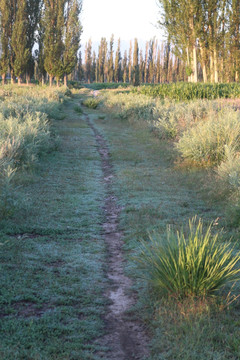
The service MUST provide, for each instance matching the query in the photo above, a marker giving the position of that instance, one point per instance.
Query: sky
(127, 19)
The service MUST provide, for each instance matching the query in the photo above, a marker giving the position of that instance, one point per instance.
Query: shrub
(206, 142)
(229, 171)
(78, 109)
(197, 265)
(91, 103)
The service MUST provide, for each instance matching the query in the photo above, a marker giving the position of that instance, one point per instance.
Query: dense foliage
(51, 27)
(190, 91)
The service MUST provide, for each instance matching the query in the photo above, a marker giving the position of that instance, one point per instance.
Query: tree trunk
(194, 64)
(65, 80)
(3, 79)
(43, 80)
(19, 80)
(27, 78)
(188, 64)
(204, 68)
(50, 80)
(13, 79)
(236, 75)
(57, 82)
(215, 67)
(211, 69)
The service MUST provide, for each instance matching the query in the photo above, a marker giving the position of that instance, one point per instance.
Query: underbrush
(25, 134)
(202, 131)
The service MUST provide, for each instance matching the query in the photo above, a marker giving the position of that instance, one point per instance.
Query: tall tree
(53, 40)
(88, 60)
(110, 60)
(125, 67)
(5, 24)
(130, 63)
(19, 40)
(117, 67)
(102, 59)
(135, 64)
(72, 34)
(34, 12)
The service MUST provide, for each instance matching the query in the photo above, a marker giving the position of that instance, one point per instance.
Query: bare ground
(125, 337)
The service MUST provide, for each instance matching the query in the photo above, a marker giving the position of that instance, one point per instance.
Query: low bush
(78, 109)
(24, 135)
(91, 103)
(196, 265)
(206, 142)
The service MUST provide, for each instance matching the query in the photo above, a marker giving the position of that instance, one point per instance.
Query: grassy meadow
(177, 181)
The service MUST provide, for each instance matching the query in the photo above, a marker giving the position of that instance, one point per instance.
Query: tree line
(51, 27)
(206, 36)
(155, 64)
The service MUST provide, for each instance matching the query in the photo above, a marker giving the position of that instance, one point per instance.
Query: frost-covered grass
(201, 131)
(25, 133)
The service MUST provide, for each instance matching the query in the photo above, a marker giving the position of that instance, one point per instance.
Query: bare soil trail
(125, 337)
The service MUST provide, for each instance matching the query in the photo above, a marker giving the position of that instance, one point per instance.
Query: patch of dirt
(125, 338)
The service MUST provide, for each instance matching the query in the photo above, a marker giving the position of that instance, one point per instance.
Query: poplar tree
(130, 63)
(73, 31)
(102, 59)
(53, 39)
(135, 64)
(117, 67)
(234, 37)
(5, 19)
(12, 5)
(88, 60)
(110, 60)
(94, 66)
(146, 63)
(125, 67)
(34, 12)
(19, 40)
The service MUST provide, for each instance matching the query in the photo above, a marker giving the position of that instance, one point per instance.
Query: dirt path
(124, 337)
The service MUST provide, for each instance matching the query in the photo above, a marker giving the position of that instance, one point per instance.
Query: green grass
(190, 91)
(101, 86)
(53, 255)
(153, 194)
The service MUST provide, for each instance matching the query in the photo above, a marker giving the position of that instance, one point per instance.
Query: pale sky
(126, 19)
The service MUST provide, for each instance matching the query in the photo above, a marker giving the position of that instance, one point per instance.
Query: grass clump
(91, 103)
(194, 266)
(78, 109)
(206, 142)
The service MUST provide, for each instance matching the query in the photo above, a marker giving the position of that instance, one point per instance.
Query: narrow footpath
(124, 337)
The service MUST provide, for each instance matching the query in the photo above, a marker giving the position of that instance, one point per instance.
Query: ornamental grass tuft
(196, 265)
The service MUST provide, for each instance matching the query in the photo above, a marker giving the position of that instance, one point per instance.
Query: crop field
(119, 219)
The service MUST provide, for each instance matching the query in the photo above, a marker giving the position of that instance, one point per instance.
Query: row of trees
(50, 26)
(205, 35)
(154, 65)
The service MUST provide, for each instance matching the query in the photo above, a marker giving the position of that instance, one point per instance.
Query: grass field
(53, 255)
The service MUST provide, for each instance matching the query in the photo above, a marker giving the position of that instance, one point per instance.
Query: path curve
(125, 337)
